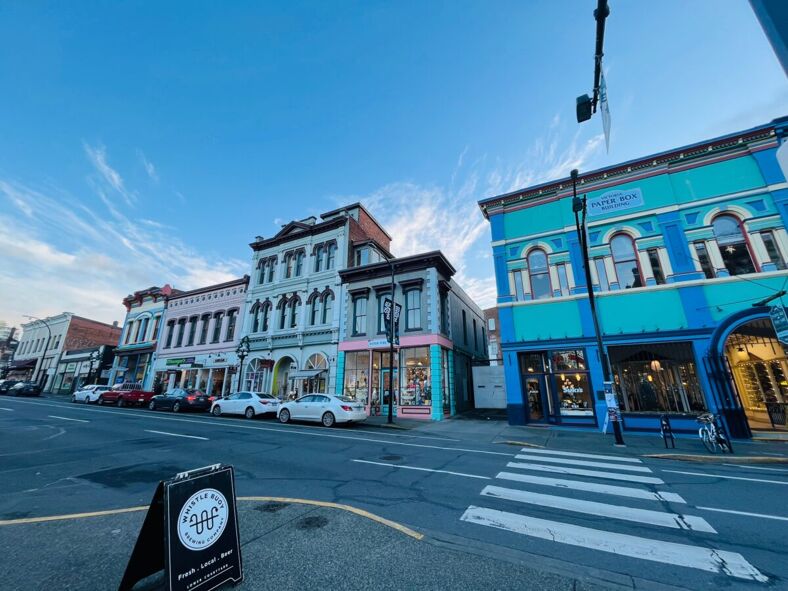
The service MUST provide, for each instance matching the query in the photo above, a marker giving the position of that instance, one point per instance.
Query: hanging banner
(604, 106)
(780, 323)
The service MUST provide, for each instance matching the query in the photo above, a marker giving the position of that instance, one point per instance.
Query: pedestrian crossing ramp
(583, 485)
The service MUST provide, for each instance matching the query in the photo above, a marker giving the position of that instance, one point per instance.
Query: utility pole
(579, 206)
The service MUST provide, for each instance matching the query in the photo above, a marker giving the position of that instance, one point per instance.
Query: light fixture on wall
(656, 365)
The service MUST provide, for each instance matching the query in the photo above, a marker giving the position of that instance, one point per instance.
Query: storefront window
(357, 375)
(733, 245)
(567, 360)
(658, 377)
(575, 394)
(415, 387)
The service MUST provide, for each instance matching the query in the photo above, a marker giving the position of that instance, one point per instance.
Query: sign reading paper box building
(614, 202)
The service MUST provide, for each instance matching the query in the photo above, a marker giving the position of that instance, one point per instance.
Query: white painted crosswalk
(577, 479)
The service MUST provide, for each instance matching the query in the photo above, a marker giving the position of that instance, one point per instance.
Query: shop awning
(304, 374)
(23, 364)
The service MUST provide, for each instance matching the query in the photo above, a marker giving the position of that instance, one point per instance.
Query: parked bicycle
(712, 434)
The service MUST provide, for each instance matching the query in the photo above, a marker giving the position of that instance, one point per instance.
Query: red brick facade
(372, 230)
(84, 333)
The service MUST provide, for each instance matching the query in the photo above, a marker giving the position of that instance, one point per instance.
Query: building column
(612, 276)
(761, 256)
(645, 265)
(223, 331)
(715, 257)
(436, 383)
(554, 282)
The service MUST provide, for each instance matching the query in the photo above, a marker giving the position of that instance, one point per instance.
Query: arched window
(314, 309)
(733, 245)
(217, 326)
(256, 314)
(295, 306)
(271, 267)
(288, 265)
(261, 265)
(328, 304)
(266, 316)
(232, 316)
(625, 261)
(540, 274)
(299, 263)
(282, 307)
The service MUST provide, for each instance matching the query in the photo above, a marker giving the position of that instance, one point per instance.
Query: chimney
(114, 324)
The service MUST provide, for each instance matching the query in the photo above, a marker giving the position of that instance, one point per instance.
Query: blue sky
(147, 142)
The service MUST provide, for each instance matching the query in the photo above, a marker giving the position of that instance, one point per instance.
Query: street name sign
(190, 532)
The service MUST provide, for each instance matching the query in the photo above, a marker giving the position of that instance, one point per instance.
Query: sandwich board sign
(190, 532)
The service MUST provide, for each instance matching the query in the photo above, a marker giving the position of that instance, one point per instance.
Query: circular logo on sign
(202, 519)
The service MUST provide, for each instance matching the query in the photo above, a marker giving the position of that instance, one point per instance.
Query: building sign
(377, 343)
(780, 323)
(191, 532)
(180, 361)
(614, 201)
(71, 366)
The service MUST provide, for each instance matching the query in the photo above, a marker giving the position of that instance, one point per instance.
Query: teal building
(688, 254)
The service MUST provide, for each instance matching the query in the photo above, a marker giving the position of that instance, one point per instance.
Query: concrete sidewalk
(284, 546)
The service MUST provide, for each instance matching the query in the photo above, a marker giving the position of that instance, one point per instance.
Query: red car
(126, 394)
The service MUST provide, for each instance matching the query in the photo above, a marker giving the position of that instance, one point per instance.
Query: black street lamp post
(579, 206)
(242, 351)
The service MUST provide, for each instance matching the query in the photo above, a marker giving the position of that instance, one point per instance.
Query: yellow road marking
(360, 512)
(356, 511)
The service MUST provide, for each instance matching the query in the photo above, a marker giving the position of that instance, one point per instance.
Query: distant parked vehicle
(89, 393)
(125, 394)
(5, 385)
(25, 389)
(327, 409)
(178, 400)
(249, 404)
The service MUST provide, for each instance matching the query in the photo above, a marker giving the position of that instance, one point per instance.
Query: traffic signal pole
(579, 206)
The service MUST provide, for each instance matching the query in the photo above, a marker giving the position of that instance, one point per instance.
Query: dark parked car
(25, 389)
(5, 385)
(179, 400)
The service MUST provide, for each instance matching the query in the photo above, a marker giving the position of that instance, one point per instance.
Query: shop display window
(357, 376)
(415, 387)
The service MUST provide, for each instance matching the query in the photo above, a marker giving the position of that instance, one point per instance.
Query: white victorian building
(293, 318)
(198, 347)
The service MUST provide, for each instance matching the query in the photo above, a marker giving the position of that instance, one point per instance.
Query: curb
(719, 459)
(386, 426)
(520, 443)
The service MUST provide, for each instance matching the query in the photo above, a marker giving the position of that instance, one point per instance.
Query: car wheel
(249, 413)
(100, 400)
(284, 416)
(152, 405)
(73, 398)
(328, 419)
(87, 399)
(217, 411)
(121, 402)
(176, 407)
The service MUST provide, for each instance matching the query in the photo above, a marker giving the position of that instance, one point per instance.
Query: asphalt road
(630, 522)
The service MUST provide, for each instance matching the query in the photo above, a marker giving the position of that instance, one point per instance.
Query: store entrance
(385, 390)
(759, 366)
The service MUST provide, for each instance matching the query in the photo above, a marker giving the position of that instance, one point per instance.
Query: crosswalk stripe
(580, 455)
(662, 518)
(605, 489)
(581, 472)
(571, 462)
(707, 559)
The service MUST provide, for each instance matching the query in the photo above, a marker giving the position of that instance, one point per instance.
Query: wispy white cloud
(150, 169)
(98, 158)
(70, 256)
(447, 218)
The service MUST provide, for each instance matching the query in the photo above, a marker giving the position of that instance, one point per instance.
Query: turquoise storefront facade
(678, 271)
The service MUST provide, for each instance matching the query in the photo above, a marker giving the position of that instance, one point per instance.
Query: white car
(88, 394)
(324, 408)
(249, 404)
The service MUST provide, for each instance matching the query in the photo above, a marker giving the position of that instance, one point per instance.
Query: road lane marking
(67, 419)
(727, 477)
(349, 508)
(423, 469)
(581, 472)
(748, 467)
(761, 515)
(602, 488)
(661, 518)
(707, 559)
(570, 462)
(8, 409)
(176, 434)
(287, 430)
(581, 455)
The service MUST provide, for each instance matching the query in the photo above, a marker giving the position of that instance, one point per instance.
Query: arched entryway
(281, 384)
(759, 367)
(316, 370)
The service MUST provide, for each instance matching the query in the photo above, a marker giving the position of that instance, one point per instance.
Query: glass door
(386, 387)
(535, 397)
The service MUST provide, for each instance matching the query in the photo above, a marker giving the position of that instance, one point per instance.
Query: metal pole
(580, 206)
(391, 348)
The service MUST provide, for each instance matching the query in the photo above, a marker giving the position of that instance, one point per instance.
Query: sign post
(190, 532)
(666, 431)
